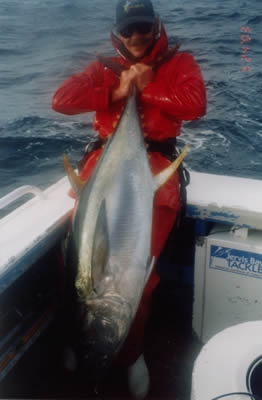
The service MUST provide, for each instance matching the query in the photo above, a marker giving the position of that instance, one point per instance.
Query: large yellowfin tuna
(109, 245)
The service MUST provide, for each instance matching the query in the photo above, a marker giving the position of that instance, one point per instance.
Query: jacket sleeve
(82, 92)
(178, 89)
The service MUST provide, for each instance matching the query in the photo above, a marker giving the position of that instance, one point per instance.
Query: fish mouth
(106, 326)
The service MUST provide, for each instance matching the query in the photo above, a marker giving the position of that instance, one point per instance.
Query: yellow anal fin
(164, 175)
(76, 182)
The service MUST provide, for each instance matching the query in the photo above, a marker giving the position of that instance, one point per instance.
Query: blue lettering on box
(236, 261)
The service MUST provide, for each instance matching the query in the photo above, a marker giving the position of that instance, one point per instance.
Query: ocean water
(42, 42)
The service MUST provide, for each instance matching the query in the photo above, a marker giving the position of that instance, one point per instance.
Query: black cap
(132, 11)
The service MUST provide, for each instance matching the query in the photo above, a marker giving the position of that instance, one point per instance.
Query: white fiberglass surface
(24, 227)
(225, 191)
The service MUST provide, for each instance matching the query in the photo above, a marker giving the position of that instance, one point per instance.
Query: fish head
(105, 324)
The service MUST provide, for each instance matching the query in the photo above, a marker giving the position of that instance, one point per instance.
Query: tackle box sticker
(236, 261)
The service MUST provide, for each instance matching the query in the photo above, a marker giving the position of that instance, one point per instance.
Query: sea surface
(42, 42)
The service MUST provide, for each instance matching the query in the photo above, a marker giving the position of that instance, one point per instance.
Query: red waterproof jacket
(177, 93)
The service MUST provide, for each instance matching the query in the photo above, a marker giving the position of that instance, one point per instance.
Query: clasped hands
(138, 75)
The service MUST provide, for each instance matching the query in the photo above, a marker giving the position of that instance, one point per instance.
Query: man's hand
(139, 75)
(143, 75)
(126, 86)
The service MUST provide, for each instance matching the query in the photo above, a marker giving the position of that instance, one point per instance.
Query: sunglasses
(142, 28)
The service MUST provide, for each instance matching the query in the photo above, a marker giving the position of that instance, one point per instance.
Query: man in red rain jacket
(170, 89)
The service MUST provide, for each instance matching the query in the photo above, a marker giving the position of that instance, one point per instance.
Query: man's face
(137, 38)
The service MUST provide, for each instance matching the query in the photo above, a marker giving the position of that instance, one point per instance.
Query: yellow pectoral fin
(76, 182)
(164, 175)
